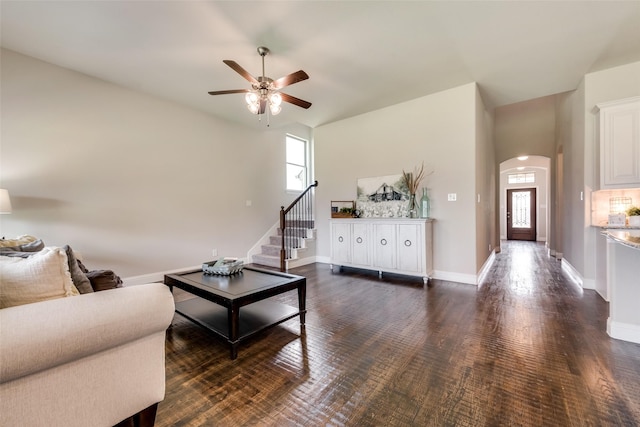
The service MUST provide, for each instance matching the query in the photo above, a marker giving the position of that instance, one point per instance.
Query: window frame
(521, 178)
(304, 166)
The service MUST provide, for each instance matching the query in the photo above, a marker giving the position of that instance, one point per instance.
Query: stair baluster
(294, 218)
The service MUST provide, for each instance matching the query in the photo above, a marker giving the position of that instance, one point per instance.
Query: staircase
(300, 235)
(296, 230)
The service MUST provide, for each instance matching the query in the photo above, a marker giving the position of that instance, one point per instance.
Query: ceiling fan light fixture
(254, 108)
(275, 98)
(275, 109)
(253, 102)
(251, 98)
(264, 90)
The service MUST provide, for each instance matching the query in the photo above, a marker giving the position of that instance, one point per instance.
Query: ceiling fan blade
(263, 106)
(238, 69)
(296, 101)
(225, 92)
(290, 79)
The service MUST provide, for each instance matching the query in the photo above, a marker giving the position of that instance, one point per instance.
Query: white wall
(486, 239)
(135, 183)
(439, 129)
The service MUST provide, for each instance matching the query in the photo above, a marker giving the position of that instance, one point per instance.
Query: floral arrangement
(633, 211)
(413, 179)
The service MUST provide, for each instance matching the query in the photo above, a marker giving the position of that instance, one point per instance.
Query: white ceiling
(360, 55)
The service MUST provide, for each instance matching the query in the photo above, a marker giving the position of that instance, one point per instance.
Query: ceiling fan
(264, 90)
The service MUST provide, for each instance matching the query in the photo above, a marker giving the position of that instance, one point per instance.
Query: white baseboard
(485, 268)
(156, 277)
(588, 284)
(623, 331)
(469, 279)
(572, 272)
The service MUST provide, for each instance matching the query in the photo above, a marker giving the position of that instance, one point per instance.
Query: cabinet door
(409, 248)
(620, 144)
(340, 243)
(361, 244)
(384, 246)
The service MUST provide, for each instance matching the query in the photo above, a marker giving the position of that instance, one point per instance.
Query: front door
(521, 214)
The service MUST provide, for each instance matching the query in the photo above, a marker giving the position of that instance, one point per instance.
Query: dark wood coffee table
(220, 298)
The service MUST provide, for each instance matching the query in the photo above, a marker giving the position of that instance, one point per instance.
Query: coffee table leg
(233, 317)
(302, 301)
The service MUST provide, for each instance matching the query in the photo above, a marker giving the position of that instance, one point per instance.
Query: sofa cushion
(42, 276)
(102, 280)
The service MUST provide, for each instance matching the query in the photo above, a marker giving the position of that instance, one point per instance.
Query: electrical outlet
(451, 197)
(214, 252)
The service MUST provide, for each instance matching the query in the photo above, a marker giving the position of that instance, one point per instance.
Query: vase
(412, 207)
(424, 205)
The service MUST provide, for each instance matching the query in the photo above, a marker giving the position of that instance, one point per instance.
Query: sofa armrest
(35, 337)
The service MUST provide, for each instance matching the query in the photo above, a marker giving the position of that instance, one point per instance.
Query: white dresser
(393, 245)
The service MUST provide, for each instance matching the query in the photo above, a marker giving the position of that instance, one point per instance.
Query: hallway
(526, 348)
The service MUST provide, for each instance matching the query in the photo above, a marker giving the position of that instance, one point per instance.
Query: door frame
(534, 212)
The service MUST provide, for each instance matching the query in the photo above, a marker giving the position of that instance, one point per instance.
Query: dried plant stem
(413, 179)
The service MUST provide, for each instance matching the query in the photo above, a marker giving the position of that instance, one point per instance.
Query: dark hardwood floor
(526, 348)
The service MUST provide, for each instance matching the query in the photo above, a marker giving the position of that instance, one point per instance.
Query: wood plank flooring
(526, 348)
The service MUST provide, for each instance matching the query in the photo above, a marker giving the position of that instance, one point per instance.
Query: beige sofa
(90, 360)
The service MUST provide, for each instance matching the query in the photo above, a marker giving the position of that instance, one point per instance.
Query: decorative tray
(223, 266)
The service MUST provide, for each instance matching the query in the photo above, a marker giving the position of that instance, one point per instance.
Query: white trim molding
(623, 331)
(572, 272)
(485, 268)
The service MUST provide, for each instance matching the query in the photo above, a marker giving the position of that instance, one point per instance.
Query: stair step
(292, 242)
(274, 250)
(270, 261)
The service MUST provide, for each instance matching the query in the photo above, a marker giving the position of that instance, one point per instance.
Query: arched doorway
(524, 198)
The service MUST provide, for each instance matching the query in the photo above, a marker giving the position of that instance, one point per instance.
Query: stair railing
(298, 216)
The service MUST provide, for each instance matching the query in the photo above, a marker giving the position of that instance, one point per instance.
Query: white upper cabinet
(620, 143)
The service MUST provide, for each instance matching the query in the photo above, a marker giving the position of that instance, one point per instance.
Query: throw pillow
(42, 276)
(25, 239)
(80, 280)
(14, 245)
(101, 280)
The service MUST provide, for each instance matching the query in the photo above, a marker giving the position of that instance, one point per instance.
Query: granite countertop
(616, 227)
(630, 238)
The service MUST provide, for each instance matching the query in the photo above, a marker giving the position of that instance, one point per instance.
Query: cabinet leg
(425, 280)
(379, 274)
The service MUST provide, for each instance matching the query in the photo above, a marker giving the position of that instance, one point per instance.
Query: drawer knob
(383, 242)
(359, 240)
(407, 243)
(340, 239)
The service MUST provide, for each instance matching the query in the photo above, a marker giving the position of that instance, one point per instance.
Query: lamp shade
(5, 202)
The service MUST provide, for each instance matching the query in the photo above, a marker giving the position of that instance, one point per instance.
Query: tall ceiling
(360, 55)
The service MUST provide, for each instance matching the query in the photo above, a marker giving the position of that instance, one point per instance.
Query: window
(296, 163)
(521, 178)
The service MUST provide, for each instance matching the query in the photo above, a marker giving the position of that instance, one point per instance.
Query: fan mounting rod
(263, 51)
